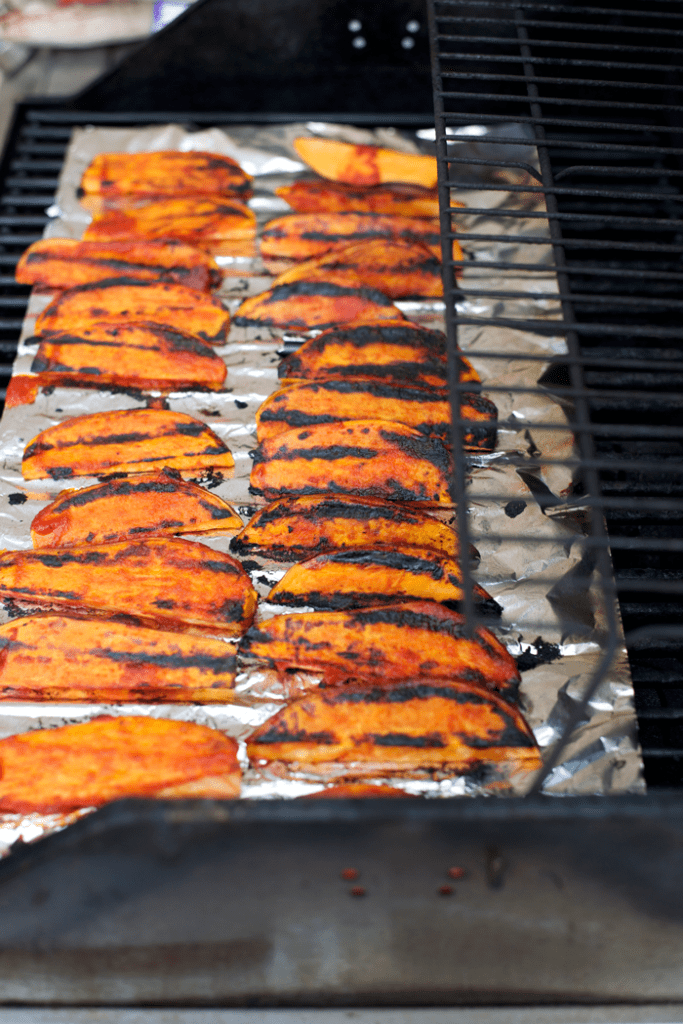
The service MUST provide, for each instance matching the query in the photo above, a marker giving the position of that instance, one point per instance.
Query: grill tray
(220, 892)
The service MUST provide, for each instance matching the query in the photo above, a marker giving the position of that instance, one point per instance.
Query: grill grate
(597, 91)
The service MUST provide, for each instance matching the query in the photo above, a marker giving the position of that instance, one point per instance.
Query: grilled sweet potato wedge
(368, 458)
(292, 529)
(415, 725)
(169, 305)
(396, 353)
(67, 263)
(305, 305)
(140, 356)
(89, 764)
(358, 578)
(404, 640)
(215, 223)
(365, 165)
(129, 509)
(52, 657)
(125, 441)
(160, 581)
(398, 269)
(300, 236)
(312, 402)
(165, 173)
(335, 197)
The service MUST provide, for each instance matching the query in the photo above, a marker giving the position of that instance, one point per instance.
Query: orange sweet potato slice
(52, 657)
(335, 197)
(300, 236)
(415, 725)
(365, 165)
(295, 528)
(130, 508)
(358, 578)
(169, 305)
(160, 581)
(310, 403)
(215, 223)
(396, 353)
(304, 305)
(124, 441)
(57, 263)
(89, 764)
(399, 270)
(404, 640)
(139, 356)
(369, 458)
(165, 172)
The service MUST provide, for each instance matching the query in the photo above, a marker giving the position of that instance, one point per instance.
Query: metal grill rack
(597, 91)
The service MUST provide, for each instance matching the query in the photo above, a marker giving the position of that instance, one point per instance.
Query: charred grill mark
(114, 489)
(231, 610)
(228, 568)
(214, 664)
(423, 448)
(279, 733)
(398, 370)
(401, 739)
(282, 292)
(117, 266)
(401, 693)
(406, 618)
(393, 334)
(37, 448)
(331, 508)
(389, 560)
(329, 453)
(216, 511)
(44, 596)
(337, 601)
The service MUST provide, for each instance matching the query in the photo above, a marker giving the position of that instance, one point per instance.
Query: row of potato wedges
(382, 573)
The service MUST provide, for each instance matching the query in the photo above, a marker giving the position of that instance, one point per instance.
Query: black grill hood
(295, 57)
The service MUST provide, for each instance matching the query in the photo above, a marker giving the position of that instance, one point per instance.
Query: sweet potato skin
(362, 577)
(131, 356)
(305, 305)
(165, 173)
(52, 657)
(300, 236)
(89, 764)
(150, 504)
(217, 224)
(336, 197)
(369, 458)
(365, 165)
(410, 639)
(427, 411)
(292, 529)
(172, 583)
(124, 441)
(415, 725)
(394, 353)
(169, 305)
(60, 263)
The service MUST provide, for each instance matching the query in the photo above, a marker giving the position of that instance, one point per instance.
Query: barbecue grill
(571, 900)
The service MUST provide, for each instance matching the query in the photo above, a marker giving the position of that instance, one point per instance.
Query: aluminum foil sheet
(553, 606)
